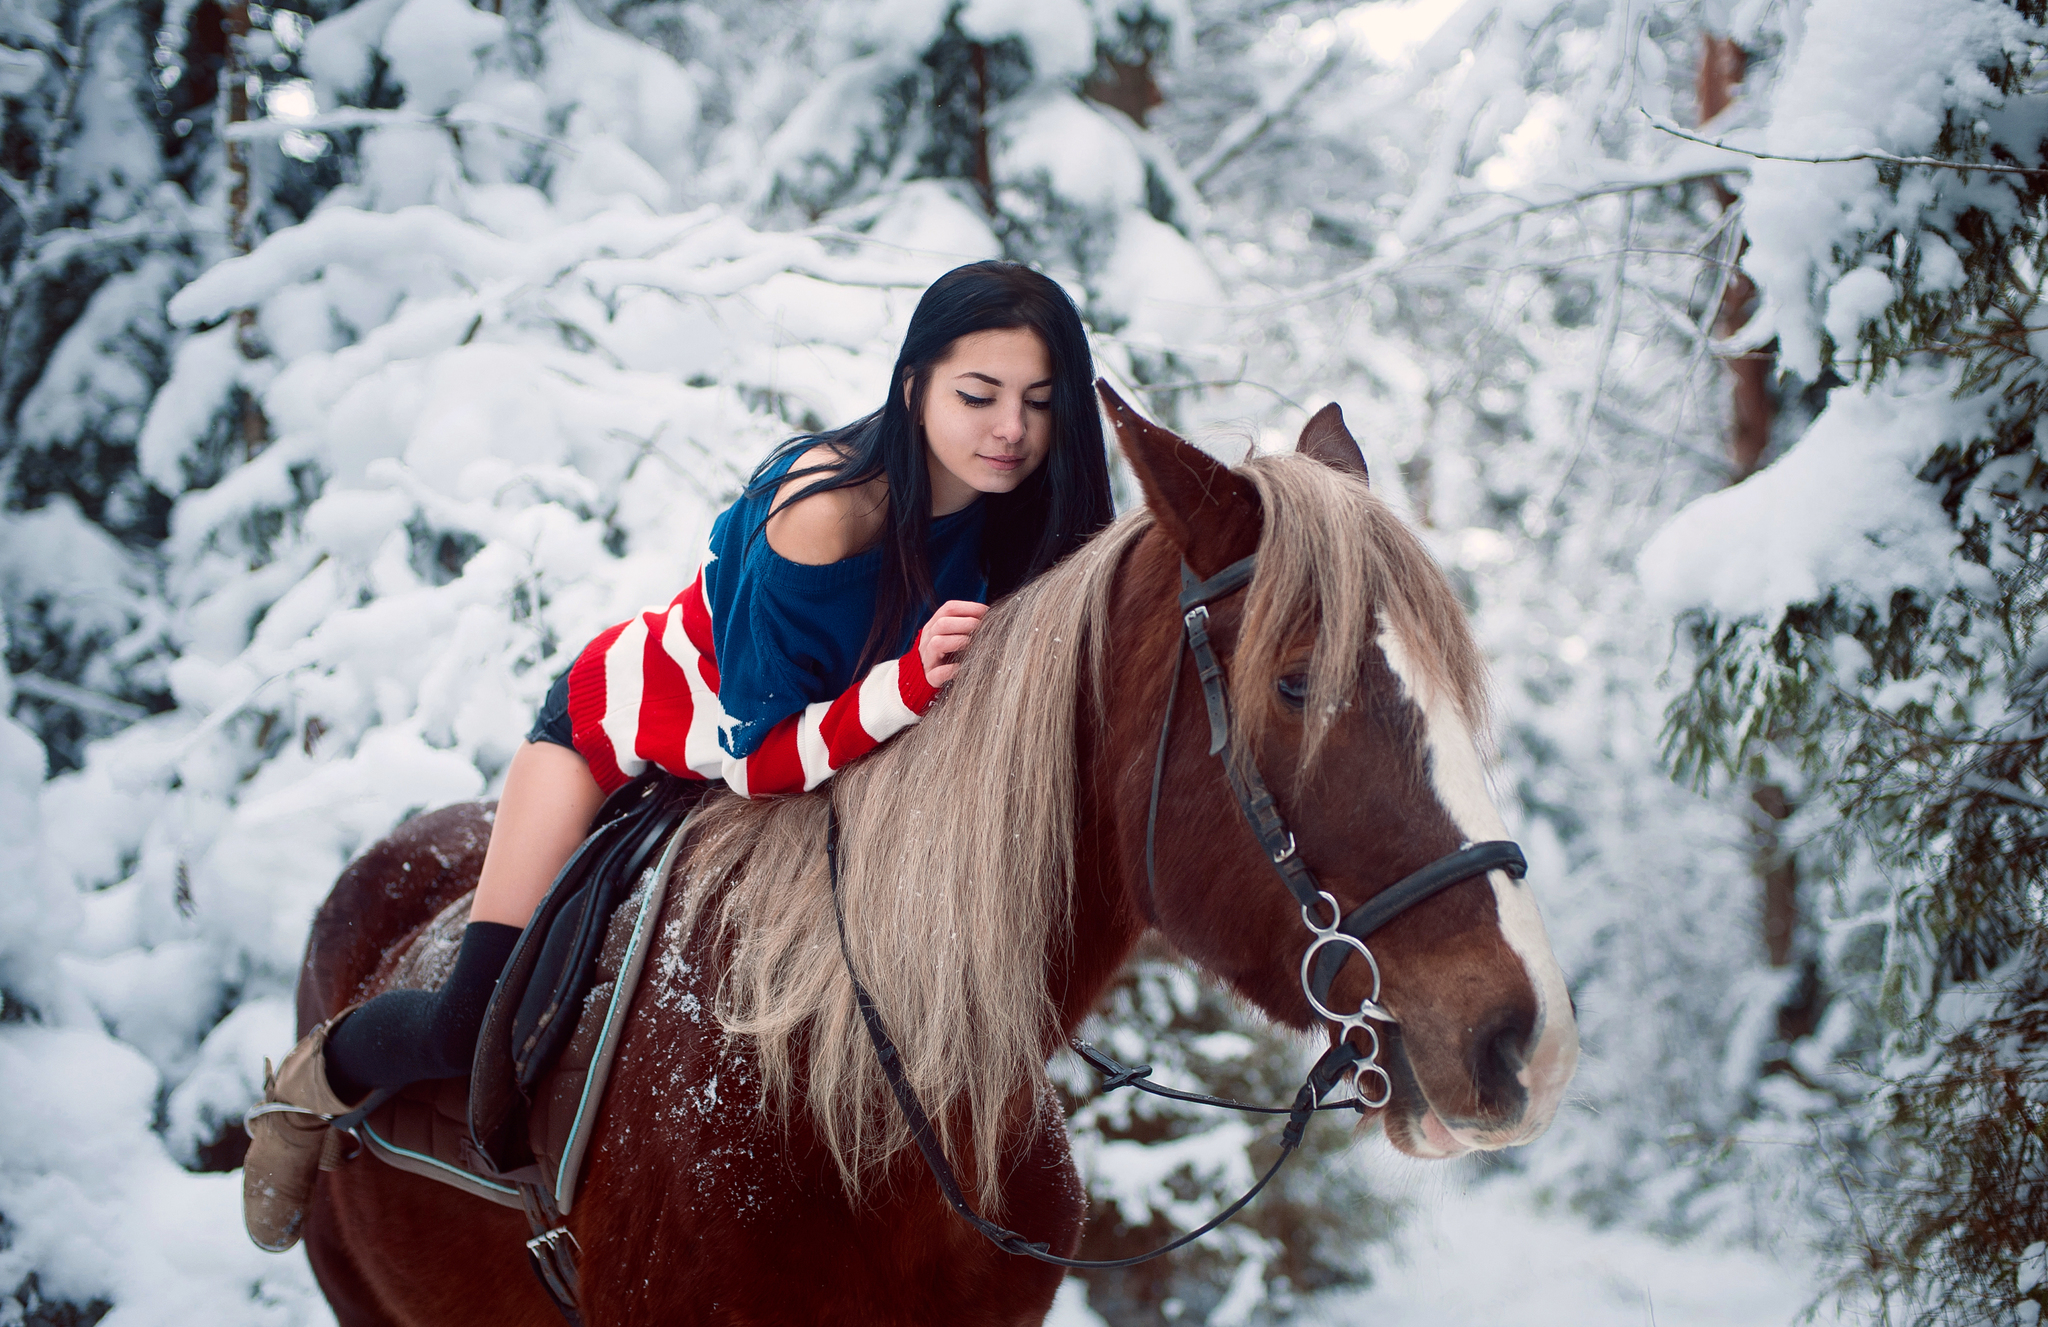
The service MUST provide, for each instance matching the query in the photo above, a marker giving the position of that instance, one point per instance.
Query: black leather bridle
(1346, 932)
(1320, 964)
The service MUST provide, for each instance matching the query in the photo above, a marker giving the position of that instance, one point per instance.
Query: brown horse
(751, 1167)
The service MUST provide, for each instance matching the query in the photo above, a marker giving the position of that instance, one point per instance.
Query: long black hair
(1046, 517)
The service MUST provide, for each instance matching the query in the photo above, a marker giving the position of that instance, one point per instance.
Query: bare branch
(1871, 154)
(2004, 789)
(19, 194)
(77, 698)
(1250, 127)
(1379, 268)
(357, 117)
(53, 248)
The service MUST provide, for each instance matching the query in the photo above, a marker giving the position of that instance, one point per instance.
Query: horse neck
(1110, 805)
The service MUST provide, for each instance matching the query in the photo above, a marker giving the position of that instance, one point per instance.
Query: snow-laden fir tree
(486, 370)
(888, 119)
(113, 193)
(1871, 624)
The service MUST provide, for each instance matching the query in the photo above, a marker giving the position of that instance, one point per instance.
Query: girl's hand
(945, 636)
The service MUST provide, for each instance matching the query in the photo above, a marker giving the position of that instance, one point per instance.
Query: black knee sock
(404, 1036)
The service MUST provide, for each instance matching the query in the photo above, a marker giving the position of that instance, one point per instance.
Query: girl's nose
(1010, 422)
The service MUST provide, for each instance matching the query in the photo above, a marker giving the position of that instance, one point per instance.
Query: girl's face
(987, 415)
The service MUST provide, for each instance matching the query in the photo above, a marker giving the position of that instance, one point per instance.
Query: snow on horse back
(999, 862)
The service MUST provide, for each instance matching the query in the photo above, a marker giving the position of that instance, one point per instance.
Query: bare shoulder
(830, 526)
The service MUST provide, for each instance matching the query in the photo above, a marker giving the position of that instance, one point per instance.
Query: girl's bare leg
(544, 812)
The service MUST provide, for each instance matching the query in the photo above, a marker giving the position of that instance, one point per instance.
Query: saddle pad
(425, 1128)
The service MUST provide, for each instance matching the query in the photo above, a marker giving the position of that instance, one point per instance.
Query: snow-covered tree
(1864, 616)
(113, 192)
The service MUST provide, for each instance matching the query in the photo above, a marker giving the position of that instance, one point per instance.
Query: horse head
(1355, 693)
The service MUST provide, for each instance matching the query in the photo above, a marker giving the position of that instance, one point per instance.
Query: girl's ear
(1326, 439)
(1210, 514)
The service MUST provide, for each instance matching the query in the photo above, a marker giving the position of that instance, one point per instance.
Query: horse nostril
(1498, 1054)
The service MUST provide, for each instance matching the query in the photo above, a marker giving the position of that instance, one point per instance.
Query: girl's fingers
(948, 632)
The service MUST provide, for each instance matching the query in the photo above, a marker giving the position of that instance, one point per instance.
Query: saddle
(515, 1132)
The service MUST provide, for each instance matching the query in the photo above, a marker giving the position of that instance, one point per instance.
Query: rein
(1324, 958)
(1321, 1079)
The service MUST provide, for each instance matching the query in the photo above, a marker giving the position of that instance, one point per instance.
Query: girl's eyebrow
(997, 382)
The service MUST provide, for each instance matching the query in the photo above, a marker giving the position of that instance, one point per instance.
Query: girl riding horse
(797, 648)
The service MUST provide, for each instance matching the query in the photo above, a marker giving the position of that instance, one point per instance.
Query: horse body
(762, 1178)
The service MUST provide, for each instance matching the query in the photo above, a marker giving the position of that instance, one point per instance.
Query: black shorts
(552, 723)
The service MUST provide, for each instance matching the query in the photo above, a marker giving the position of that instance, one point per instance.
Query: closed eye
(977, 402)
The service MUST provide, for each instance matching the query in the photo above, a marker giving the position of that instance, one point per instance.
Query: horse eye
(1293, 690)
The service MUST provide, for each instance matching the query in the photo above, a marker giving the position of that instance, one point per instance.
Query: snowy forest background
(358, 359)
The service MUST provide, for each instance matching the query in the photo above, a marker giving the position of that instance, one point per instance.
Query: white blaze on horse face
(1459, 777)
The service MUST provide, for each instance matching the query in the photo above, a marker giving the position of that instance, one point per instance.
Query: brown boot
(286, 1135)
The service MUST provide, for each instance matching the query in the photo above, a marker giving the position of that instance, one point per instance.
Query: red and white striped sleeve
(805, 749)
(646, 692)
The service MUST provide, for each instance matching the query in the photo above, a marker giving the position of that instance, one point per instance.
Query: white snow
(1393, 29)
(1075, 151)
(1060, 34)
(1478, 1251)
(99, 1210)
(1841, 509)
(1800, 216)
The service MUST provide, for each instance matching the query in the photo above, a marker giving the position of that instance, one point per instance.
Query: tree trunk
(254, 428)
(1722, 65)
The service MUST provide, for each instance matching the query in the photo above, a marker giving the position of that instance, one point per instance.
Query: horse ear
(1327, 440)
(1210, 514)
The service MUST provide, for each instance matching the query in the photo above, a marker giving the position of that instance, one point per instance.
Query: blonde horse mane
(956, 837)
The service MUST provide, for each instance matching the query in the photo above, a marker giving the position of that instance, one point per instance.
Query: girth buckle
(549, 1242)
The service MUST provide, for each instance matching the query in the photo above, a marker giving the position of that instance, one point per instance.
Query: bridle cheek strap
(1260, 811)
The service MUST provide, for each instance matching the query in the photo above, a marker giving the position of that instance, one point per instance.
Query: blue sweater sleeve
(789, 641)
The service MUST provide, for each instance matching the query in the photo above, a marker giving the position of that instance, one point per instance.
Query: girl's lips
(1004, 462)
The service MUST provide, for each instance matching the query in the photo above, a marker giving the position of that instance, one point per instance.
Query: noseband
(1345, 934)
(1325, 956)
